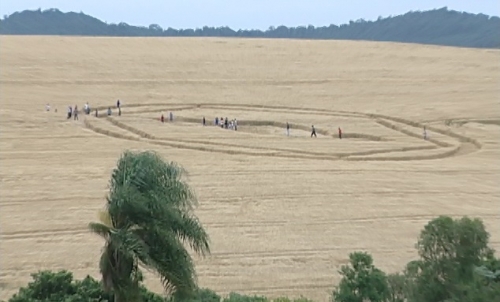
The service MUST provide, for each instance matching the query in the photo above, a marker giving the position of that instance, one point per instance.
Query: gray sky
(258, 14)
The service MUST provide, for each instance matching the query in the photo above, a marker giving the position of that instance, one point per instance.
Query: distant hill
(438, 27)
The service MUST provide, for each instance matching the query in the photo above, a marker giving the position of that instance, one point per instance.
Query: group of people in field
(225, 123)
(313, 131)
(109, 112)
(73, 111)
(170, 117)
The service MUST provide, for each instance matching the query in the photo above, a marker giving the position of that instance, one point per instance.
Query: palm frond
(150, 175)
(128, 206)
(106, 270)
(172, 262)
(188, 229)
(127, 243)
(100, 229)
(105, 218)
(194, 233)
(119, 267)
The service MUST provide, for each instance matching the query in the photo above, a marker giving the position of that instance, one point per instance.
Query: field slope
(282, 212)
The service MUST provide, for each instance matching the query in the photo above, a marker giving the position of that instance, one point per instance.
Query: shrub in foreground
(48, 286)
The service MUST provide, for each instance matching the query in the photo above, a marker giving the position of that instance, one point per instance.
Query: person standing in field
(216, 121)
(86, 108)
(118, 104)
(235, 125)
(171, 116)
(287, 129)
(313, 131)
(203, 121)
(425, 133)
(47, 107)
(162, 118)
(75, 113)
(340, 133)
(109, 110)
(70, 111)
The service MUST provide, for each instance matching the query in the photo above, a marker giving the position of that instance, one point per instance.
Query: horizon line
(252, 29)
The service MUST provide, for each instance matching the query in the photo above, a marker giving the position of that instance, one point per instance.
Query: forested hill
(439, 27)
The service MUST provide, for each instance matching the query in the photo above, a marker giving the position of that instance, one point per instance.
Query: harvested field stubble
(282, 212)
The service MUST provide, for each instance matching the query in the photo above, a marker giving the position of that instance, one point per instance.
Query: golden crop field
(283, 212)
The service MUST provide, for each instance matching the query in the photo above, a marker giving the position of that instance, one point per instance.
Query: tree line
(148, 222)
(438, 27)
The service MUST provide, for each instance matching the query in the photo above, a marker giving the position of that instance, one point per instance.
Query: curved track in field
(461, 144)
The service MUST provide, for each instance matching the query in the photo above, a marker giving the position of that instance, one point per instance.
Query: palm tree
(147, 221)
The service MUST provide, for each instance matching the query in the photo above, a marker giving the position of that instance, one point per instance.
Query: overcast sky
(241, 14)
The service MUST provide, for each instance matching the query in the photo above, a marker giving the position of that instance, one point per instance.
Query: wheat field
(283, 213)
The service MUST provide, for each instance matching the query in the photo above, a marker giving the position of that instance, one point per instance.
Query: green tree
(490, 269)
(449, 251)
(493, 276)
(235, 297)
(148, 219)
(397, 288)
(200, 295)
(439, 26)
(48, 286)
(361, 281)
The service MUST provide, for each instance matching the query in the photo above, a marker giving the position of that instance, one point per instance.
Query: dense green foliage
(361, 281)
(440, 27)
(455, 264)
(48, 286)
(59, 286)
(449, 251)
(148, 219)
